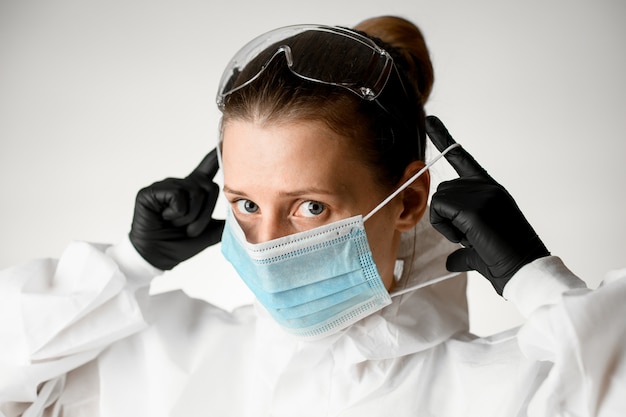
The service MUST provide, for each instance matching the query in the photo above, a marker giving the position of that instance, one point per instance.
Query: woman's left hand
(479, 213)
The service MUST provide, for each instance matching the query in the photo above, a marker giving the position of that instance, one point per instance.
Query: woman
(323, 138)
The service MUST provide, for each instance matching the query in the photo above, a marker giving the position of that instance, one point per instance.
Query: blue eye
(247, 206)
(311, 208)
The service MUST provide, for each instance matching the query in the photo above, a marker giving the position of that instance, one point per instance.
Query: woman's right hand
(173, 218)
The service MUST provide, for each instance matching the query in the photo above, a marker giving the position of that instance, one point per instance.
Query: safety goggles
(342, 58)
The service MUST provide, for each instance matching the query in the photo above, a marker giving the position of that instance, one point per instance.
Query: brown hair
(388, 133)
(407, 39)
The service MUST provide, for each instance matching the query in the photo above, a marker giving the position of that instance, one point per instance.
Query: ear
(414, 198)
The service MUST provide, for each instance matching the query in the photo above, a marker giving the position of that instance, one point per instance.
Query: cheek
(380, 239)
(383, 239)
(380, 234)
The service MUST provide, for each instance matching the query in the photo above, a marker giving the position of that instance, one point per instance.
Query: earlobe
(414, 197)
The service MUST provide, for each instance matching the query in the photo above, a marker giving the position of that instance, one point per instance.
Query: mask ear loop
(410, 181)
(394, 194)
(424, 284)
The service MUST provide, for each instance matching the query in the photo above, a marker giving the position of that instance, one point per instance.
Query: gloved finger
(195, 199)
(209, 165)
(215, 230)
(170, 202)
(461, 260)
(443, 224)
(203, 217)
(463, 163)
(212, 234)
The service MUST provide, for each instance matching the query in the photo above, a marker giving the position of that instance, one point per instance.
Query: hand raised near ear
(479, 213)
(173, 218)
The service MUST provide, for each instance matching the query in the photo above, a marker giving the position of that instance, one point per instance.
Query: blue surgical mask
(317, 282)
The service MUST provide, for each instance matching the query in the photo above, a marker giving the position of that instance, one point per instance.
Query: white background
(98, 99)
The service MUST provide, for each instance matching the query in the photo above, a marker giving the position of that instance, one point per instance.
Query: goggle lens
(341, 58)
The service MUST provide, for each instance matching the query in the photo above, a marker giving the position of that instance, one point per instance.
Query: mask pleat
(316, 292)
(295, 272)
(323, 304)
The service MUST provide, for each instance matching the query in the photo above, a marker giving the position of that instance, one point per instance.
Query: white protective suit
(81, 337)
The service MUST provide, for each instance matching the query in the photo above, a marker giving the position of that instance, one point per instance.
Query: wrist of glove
(477, 212)
(173, 218)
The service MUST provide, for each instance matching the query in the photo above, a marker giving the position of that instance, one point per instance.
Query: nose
(268, 228)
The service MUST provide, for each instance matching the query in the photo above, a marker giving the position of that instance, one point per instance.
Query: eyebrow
(294, 193)
(229, 190)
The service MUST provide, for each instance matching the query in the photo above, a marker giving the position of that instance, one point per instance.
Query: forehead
(288, 155)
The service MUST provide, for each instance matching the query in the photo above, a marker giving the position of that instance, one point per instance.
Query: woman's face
(289, 177)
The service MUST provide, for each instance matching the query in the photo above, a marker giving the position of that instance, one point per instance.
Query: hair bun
(406, 39)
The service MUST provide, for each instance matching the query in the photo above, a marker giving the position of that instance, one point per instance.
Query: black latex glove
(479, 213)
(172, 220)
